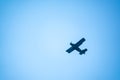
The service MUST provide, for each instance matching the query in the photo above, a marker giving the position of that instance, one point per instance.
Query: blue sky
(34, 35)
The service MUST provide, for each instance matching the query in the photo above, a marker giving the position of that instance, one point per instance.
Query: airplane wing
(80, 42)
(70, 50)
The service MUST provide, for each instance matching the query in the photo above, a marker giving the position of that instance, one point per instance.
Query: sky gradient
(34, 35)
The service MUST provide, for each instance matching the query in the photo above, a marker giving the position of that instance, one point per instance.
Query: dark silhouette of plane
(76, 47)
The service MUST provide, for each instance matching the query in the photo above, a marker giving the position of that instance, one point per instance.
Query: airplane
(76, 47)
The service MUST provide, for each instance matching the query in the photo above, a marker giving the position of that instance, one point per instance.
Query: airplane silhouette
(76, 47)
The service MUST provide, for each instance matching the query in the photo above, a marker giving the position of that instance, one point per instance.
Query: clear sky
(34, 35)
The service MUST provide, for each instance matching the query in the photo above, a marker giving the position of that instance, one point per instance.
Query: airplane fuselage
(73, 45)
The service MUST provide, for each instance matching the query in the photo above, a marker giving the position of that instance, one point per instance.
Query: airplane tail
(83, 51)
